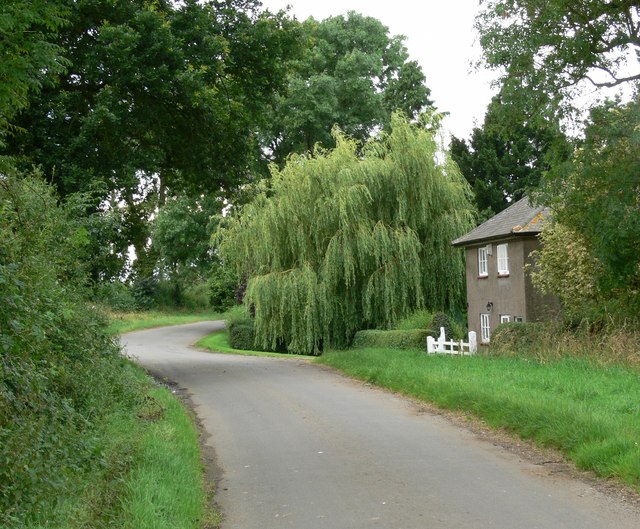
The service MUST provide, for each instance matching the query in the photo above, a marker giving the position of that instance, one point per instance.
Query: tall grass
(149, 474)
(588, 411)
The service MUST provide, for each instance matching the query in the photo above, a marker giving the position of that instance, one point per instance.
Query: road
(299, 446)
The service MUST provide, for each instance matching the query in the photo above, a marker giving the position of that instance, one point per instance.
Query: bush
(440, 319)
(241, 331)
(551, 341)
(60, 374)
(116, 295)
(412, 339)
(419, 319)
(222, 286)
(529, 337)
(242, 336)
(144, 291)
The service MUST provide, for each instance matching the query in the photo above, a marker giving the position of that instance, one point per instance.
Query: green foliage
(241, 329)
(526, 338)
(595, 193)
(59, 372)
(242, 336)
(343, 242)
(591, 255)
(351, 74)
(221, 285)
(440, 319)
(29, 56)
(546, 48)
(116, 296)
(507, 157)
(566, 268)
(156, 98)
(394, 339)
(419, 319)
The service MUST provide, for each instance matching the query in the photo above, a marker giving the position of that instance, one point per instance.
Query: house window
(505, 318)
(482, 262)
(503, 259)
(485, 328)
(518, 319)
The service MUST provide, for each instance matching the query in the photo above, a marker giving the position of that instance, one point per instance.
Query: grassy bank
(587, 411)
(121, 322)
(146, 473)
(219, 342)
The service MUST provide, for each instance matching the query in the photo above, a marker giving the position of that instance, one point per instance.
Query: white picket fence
(442, 346)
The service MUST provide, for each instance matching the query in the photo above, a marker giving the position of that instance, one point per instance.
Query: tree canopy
(28, 55)
(155, 98)
(507, 157)
(547, 47)
(352, 74)
(342, 242)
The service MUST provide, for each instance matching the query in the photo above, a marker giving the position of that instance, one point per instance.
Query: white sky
(439, 35)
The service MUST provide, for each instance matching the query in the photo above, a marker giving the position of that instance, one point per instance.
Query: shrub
(411, 339)
(241, 331)
(60, 374)
(551, 340)
(116, 295)
(440, 319)
(529, 337)
(222, 286)
(242, 336)
(419, 319)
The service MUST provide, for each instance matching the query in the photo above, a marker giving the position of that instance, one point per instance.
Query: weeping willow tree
(344, 241)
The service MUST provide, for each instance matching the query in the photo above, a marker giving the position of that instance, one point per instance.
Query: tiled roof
(521, 218)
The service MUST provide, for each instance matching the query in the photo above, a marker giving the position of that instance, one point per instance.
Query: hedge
(411, 339)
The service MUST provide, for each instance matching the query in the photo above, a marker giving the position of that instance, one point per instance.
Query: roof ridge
(521, 217)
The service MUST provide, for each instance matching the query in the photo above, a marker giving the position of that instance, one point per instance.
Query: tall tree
(344, 241)
(597, 193)
(28, 56)
(157, 96)
(546, 48)
(507, 157)
(353, 74)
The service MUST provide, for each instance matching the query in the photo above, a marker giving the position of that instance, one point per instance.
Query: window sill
(503, 275)
(484, 277)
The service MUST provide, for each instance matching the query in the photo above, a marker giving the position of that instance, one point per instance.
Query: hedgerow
(60, 374)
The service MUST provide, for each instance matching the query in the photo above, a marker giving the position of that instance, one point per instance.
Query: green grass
(165, 487)
(588, 411)
(122, 322)
(149, 474)
(219, 342)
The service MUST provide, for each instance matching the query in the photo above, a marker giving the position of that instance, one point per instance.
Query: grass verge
(122, 322)
(219, 342)
(589, 412)
(148, 475)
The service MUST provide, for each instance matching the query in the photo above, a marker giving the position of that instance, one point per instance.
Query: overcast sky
(439, 35)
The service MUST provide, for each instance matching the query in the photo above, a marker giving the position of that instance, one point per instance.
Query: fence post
(431, 346)
(473, 342)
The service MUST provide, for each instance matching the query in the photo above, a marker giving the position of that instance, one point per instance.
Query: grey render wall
(511, 295)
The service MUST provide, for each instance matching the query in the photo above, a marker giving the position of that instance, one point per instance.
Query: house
(498, 288)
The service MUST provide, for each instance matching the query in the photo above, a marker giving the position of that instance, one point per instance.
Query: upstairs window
(503, 259)
(482, 262)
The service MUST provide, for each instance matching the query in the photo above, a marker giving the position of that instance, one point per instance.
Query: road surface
(299, 446)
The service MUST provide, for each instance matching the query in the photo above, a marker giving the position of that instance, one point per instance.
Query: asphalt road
(299, 446)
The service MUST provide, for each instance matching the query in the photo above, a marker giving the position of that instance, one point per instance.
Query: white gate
(442, 346)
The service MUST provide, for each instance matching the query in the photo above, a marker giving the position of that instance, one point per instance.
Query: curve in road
(301, 446)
